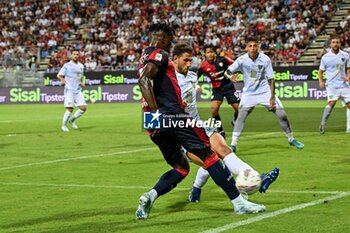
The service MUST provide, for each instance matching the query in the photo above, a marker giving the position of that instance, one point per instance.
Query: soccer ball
(248, 181)
(92, 101)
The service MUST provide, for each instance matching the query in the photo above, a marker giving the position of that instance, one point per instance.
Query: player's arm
(228, 60)
(200, 72)
(272, 98)
(61, 75)
(320, 78)
(147, 74)
(232, 71)
(82, 83)
(347, 78)
(320, 73)
(271, 81)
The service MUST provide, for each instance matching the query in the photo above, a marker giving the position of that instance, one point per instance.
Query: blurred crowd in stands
(112, 34)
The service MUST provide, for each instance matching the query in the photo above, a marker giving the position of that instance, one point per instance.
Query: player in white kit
(336, 64)
(258, 89)
(188, 82)
(71, 76)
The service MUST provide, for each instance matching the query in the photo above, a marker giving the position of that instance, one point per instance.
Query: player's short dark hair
(209, 46)
(334, 37)
(162, 27)
(181, 48)
(252, 39)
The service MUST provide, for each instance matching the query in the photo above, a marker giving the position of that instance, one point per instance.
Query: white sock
(290, 136)
(235, 164)
(201, 178)
(77, 114)
(153, 194)
(326, 113)
(238, 201)
(235, 137)
(348, 119)
(65, 117)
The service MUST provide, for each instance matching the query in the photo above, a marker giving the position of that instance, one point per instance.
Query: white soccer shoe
(145, 206)
(64, 128)
(72, 123)
(247, 207)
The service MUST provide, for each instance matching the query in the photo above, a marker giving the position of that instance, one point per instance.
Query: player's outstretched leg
(268, 179)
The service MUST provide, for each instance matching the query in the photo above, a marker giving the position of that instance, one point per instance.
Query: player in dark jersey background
(161, 94)
(214, 67)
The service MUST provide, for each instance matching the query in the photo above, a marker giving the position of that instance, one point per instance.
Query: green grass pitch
(89, 180)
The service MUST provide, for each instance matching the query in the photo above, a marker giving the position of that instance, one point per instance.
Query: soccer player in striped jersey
(336, 64)
(214, 67)
(161, 94)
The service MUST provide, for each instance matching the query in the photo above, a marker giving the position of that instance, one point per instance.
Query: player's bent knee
(83, 108)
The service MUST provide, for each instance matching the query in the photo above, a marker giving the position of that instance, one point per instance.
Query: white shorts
(249, 100)
(334, 94)
(72, 100)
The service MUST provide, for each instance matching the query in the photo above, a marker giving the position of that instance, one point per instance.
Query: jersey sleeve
(229, 61)
(235, 67)
(348, 62)
(200, 72)
(159, 58)
(63, 71)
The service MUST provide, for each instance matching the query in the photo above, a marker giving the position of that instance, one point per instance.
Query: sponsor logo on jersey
(158, 57)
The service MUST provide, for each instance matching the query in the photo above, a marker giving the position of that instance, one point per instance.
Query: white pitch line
(261, 134)
(275, 213)
(76, 185)
(12, 121)
(76, 158)
(306, 192)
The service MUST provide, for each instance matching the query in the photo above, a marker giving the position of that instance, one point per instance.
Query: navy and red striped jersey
(215, 71)
(166, 89)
